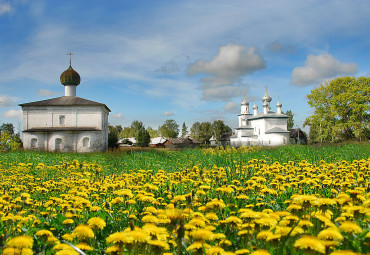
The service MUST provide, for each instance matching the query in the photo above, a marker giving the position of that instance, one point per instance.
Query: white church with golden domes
(267, 128)
(68, 123)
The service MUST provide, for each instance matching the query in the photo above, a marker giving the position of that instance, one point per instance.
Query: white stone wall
(71, 141)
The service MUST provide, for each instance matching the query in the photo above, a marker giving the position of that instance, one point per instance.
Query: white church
(267, 128)
(68, 123)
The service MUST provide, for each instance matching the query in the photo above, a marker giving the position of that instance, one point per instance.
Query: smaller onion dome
(244, 102)
(279, 104)
(266, 98)
(70, 77)
(255, 106)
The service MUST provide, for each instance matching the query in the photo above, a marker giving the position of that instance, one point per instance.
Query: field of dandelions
(287, 200)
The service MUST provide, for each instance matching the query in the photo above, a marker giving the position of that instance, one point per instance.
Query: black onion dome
(70, 77)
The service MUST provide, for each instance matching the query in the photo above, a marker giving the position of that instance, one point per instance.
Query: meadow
(253, 200)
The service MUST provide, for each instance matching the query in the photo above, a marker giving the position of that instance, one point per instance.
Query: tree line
(202, 131)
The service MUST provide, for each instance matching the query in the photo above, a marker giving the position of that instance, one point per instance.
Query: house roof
(65, 101)
(53, 129)
(276, 130)
(158, 140)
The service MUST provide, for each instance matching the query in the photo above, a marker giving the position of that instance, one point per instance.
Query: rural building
(186, 142)
(68, 123)
(266, 128)
(157, 142)
(297, 136)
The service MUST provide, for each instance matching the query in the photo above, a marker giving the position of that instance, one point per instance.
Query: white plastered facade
(267, 128)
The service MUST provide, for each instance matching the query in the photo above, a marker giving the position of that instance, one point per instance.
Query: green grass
(155, 159)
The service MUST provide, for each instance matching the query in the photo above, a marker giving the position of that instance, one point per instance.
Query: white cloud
(168, 113)
(319, 68)
(4, 7)
(14, 114)
(6, 101)
(231, 107)
(46, 92)
(226, 69)
(117, 116)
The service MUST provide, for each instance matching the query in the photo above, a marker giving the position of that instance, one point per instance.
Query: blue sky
(183, 60)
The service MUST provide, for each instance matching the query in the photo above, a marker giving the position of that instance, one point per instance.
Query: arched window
(62, 119)
(33, 143)
(58, 144)
(86, 142)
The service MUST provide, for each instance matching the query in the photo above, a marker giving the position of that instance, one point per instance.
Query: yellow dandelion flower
(20, 242)
(84, 247)
(150, 219)
(197, 246)
(264, 234)
(211, 216)
(344, 252)
(120, 238)
(97, 223)
(173, 214)
(260, 252)
(310, 243)
(83, 232)
(202, 234)
(159, 244)
(139, 236)
(350, 227)
(68, 222)
(17, 251)
(242, 251)
(68, 237)
(44, 233)
(330, 236)
(113, 249)
(215, 251)
(67, 252)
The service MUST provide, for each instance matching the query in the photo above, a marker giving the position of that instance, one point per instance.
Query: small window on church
(86, 142)
(62, 119)
(269, 141)
(284, 140)
(33, 143)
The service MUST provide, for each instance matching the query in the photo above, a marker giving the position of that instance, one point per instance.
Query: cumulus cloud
(6, 101)
(46, 92)
(225, 71)
(13, 114)
(117, 116)
(319, 68)
(278, 47)
(5, 7)
(168, 113)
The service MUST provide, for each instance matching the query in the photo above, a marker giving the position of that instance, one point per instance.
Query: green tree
(113, 136)
(137, 125)
(127, 132)
(219, 128)
(153, 132)
(290, 123)
(201, 131)
(169, 129)
(142, 138)
(7, 127)
(342, 109)
(9, 142)
(184, 130)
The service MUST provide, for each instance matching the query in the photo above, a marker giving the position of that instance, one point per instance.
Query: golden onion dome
(70, 77)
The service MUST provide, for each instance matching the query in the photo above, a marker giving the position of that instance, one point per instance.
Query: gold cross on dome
(266, 88)
(70, 57)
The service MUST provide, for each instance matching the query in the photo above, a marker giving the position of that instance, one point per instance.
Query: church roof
(276, 130)
(53, 129)
(65, 101)
(270, 114)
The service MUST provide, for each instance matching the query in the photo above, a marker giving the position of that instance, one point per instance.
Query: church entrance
(58, 144)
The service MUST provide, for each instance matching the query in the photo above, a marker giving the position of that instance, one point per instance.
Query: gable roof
(65, 101)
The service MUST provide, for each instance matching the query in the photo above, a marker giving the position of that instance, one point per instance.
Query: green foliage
(202, 131)
(153, 132)
(342, 109)
(290, 123)
(169, 129)
(142, 138)
(9, 142)
(7, 127)
(184, 130)
(113, 136)
(220, 128)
